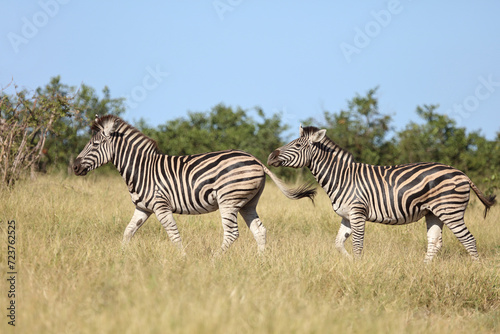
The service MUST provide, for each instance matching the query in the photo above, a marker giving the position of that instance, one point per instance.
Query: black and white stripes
(384, 194)
(231, 181)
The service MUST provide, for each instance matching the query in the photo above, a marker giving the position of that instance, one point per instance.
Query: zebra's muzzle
(273, 159)
(79, 168)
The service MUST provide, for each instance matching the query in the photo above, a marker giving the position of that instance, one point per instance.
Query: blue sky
(294, 57)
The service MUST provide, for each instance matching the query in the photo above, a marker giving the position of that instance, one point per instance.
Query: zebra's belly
(342, 210)
(387, 220)
(385, 217)
(195, 210)
(140, 203)
(192, 205)
(398, 220)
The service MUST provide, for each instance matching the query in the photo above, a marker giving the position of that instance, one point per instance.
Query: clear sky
(294, 57)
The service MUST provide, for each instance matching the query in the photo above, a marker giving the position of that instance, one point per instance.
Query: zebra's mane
(100, 123)
(328, 144)
(309, 130)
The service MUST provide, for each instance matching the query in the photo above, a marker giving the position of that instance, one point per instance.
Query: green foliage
(438, 139)
(361, 128)
(221, 128)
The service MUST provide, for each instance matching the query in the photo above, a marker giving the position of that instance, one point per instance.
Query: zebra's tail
(305, 190)
(487, 201)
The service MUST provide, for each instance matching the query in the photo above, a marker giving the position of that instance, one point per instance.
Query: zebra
(231, 181)
(392, 195)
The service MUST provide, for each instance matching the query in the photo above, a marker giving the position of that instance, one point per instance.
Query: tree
(25, 124)
(438, 139)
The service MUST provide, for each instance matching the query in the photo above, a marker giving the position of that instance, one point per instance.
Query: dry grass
(74, 277)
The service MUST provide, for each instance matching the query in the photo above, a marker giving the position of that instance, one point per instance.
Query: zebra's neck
(133, 152)
(330, 165)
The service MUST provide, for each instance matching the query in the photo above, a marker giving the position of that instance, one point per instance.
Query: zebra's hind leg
(167, 220)
(434, 236)
(255, 225)
(457, 226)
(229, 217)
(138, 219)
(249, 214)
(344, 233)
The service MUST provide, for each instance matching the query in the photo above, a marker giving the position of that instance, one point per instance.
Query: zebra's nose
(77, 166)
(273, 158)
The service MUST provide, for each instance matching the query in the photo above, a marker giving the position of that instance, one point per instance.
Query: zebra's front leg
(167, 220)
(344, 232)
(138, 219)
(358, 222)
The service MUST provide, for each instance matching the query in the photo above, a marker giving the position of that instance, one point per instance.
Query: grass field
(74, 276)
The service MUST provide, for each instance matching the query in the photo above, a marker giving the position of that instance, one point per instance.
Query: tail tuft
(305, 190)
(490, 202)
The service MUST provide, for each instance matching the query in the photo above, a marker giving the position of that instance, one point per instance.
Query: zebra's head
(99, 150)
(298, 152)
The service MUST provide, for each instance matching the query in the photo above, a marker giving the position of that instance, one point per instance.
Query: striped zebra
(392, 195)
(231, 181)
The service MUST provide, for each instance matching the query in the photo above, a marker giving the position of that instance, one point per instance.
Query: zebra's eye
(298, 145)
(95, 144)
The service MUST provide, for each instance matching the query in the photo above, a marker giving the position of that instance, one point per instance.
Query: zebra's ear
(318, 136)
(111, 127)
(301, 131)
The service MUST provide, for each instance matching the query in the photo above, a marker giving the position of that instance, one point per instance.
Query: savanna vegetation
(75, 277)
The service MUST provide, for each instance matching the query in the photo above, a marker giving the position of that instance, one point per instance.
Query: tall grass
(74, 276)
